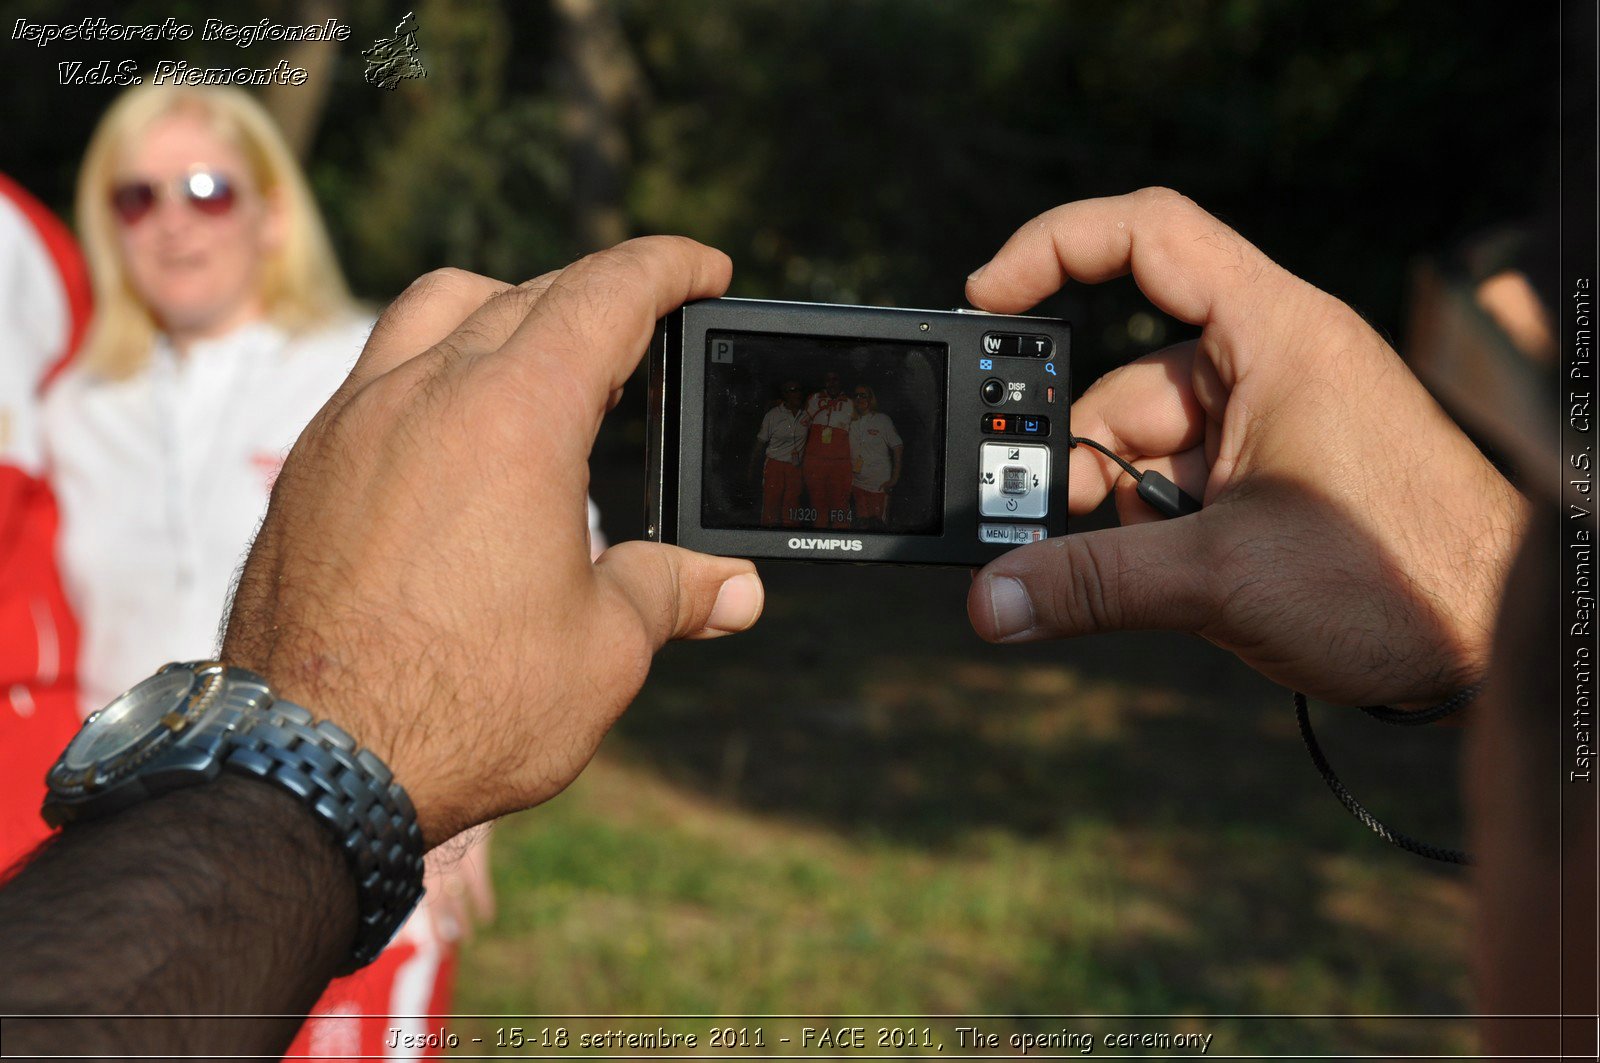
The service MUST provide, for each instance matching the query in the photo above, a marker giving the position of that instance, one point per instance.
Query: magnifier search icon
(1050, 367)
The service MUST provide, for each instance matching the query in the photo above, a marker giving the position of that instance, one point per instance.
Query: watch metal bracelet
(354, 793)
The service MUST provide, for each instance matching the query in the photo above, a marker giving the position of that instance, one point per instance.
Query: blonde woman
(222, 323)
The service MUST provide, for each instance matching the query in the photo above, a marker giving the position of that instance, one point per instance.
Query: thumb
(1135, 577)
(679, 594)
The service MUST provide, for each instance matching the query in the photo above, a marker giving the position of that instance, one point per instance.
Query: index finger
(431, 308)
(596, 318)
(1184, 260)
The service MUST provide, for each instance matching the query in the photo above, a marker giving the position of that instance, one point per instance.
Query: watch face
(121, 724)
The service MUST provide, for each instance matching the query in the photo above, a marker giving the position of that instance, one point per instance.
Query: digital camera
(813, 432)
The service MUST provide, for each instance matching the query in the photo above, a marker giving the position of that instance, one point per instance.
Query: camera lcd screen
(822, 432)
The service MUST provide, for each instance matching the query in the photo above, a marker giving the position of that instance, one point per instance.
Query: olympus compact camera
(812, 432)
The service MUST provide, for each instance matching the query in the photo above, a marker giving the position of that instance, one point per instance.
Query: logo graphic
(1050, 367)
(392, 60)
(798, 543)
(985, 363)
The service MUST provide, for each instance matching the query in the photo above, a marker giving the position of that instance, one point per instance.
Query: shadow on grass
(864, 700)
(864, 704)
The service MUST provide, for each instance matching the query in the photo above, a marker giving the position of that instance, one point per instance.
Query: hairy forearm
(223, 899)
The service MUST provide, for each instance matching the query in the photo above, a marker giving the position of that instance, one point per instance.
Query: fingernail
(975, 274)
(1013, 610)
(738, 603)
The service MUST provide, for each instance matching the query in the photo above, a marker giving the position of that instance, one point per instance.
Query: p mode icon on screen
(812, 432)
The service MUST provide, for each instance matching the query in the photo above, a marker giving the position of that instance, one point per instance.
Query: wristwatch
(189, 722)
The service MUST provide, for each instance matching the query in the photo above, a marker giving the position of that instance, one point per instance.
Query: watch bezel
(206, 683)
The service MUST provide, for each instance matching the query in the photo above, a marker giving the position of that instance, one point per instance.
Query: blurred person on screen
(780, 446)
(875, 453)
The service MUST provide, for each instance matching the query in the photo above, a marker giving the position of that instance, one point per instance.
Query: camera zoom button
(1014, 344)
(994, 391)
(1005, 344)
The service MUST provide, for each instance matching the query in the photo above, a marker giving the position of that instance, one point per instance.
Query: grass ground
(859, 807)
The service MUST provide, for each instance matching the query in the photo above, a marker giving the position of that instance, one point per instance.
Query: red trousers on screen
(780, 493)
(870, 505)
(828, 485)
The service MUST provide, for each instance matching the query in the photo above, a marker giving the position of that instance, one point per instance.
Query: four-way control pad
(1013, 480)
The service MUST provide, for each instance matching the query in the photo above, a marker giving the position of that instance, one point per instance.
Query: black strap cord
(1348, 800)
(1158, 492)
(1170, 500)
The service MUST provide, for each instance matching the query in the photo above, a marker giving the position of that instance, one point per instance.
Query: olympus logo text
(824, 544)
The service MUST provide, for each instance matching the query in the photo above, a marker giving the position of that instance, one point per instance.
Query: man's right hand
(1353, 542)
(423, 579)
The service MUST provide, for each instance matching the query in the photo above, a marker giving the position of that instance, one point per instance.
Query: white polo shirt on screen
(784, 433)
(872, 437)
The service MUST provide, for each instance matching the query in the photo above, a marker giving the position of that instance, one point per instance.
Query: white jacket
(163, 479)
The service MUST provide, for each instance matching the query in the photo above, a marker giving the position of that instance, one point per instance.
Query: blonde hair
(301, 284)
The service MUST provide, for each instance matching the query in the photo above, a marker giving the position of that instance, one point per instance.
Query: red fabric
(828, 486)
(38, 658)
(780, 493)
(353, 1016)
(837, 448)
(38, 635)
(63, 251)
(870, 505)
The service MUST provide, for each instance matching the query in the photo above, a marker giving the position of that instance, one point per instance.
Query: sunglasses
(209, 193)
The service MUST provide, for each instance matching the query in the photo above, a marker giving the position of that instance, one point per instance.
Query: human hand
(459, 887)
(422, 577)
(1353, 542)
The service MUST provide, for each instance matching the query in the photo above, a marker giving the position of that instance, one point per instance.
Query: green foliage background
(879, 151)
